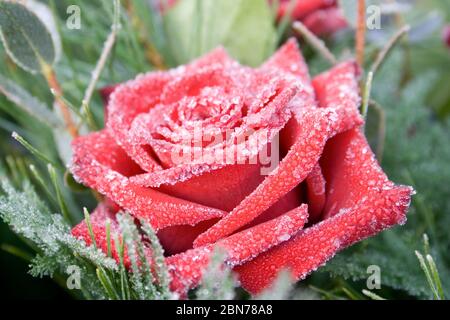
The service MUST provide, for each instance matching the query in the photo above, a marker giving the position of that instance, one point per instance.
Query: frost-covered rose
(326, 193)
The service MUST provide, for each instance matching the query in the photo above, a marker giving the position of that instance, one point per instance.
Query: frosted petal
(187, 268)
(361, 202)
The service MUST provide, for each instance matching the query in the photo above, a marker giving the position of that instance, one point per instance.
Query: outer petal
(339, 100)
(289, 59)
(187, 268)
(338, 86)
(366, 204)
(104, 166)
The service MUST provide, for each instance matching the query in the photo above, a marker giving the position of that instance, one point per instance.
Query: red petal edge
(380, 206)
(187, 268)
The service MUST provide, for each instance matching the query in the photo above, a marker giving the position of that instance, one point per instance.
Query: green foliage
(50, 236)
(218, 282)
(195, 27)
(161, 269)
(280, 289)
(20, 97)
(57, 249)
(142, 279)
(430, 270)
(26, 37)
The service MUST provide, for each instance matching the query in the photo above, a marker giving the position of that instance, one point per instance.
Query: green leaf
(27, 102)
(27, 34)
(246, 30)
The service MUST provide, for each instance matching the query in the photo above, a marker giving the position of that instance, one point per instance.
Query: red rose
(322, 17)
(150, 162)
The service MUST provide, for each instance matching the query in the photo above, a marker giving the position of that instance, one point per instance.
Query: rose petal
(179, 239)
(187, 268)
(129, 100)
(289, 59)
(360, 209)
(191, 83)
(315, 188)
(222, 189)
(351, 171)
(338, 86)
(104, 166)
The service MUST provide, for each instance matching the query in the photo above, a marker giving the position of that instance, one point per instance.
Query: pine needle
(107, 47)
(32, 149)
(372, 295)
(59, 196)
(381, 57)
(87, 220)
